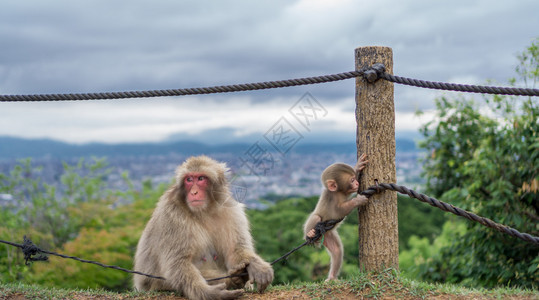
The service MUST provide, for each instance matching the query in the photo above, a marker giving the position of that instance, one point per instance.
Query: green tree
(44, 207)
(417, 261)
(107, 233)
(418, 219)
(30, 212)
(84, 221)
(484, 157)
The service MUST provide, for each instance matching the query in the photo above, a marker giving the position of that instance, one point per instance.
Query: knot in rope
(29, 249)
(374, 72)
(321, 228)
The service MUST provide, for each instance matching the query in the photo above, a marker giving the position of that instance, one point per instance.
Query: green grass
(388, 283)
(370, 285)
(39, 292)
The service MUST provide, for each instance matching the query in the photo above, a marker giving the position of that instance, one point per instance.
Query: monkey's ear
(332, 185)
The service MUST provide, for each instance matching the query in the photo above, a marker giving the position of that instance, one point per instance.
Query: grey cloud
(93, 46)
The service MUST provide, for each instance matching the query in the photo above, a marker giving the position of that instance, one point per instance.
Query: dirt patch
(381, 286)
(292, 294)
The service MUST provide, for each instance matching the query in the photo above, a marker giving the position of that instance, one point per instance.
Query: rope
(450, 208)
(461, 87)
(370, 74)
(320, 229)
(186, 91)
(29, 249)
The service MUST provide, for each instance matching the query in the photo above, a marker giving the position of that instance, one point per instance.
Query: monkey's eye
(201, 178)
(189, 179)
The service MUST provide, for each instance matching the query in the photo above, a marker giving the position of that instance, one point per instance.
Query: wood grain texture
(375, 116)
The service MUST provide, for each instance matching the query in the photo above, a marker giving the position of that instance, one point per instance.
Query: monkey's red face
(196, 186)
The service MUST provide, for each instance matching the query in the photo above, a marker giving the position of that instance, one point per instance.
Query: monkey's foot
(331, 278)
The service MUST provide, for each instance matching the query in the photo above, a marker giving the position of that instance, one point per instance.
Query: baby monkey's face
(353, 185)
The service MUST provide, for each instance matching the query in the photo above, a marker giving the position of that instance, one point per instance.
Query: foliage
(417, 261)
(38, 212)
(418, 219)
(38, 205)
(484, 158)
(85, 221)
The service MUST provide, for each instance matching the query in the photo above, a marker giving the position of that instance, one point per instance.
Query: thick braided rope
(461, 87)
(184, 92)
(371, 74)
(450, 208)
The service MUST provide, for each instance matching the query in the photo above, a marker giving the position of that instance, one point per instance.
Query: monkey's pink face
(196, 185)
(354, 185)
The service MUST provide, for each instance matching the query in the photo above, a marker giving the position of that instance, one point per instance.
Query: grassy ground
(383, 285)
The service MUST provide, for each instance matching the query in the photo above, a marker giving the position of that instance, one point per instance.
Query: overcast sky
(113, 45)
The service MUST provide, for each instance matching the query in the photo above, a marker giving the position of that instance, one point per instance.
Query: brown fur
(188, 246)
(339, 182)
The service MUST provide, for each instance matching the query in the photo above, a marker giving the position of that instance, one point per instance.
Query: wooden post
(375, 116)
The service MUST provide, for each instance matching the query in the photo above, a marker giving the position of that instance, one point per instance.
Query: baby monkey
(340, 181)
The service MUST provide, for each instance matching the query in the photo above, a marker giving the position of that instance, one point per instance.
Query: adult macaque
(198, 232)
(340, 181)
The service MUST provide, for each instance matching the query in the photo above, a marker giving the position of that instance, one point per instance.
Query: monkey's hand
(260, 272)
(361, 163)
(360, 200)
(236, 282)
(219, 291)
(310, 237)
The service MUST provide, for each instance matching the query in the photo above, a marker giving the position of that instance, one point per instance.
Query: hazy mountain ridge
(13, 148)
(296, 172)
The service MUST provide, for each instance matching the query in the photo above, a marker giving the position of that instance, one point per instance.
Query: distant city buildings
(292, 174)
